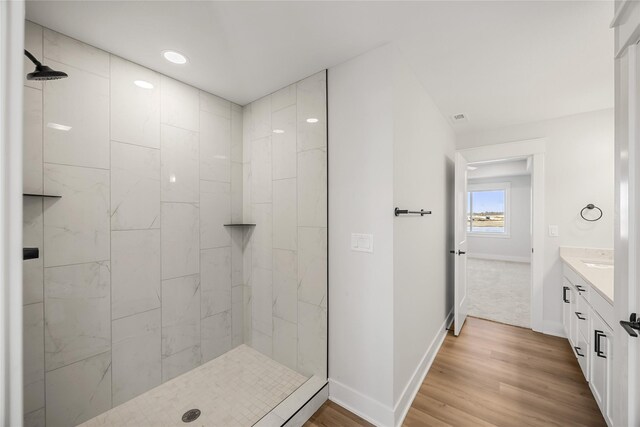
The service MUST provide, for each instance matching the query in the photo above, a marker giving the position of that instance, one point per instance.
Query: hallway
(495, 375)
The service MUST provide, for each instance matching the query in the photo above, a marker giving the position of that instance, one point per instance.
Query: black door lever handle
(631, 325)
(461, 252)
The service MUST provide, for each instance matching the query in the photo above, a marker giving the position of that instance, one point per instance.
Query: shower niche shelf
(53, 196)
(239, 225)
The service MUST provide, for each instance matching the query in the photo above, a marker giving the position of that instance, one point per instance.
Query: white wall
(361, 201)
(389, 146)
(424, 145)
(516, 247)
(579, 169)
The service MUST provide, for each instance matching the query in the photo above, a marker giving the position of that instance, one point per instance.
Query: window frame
(494, 186)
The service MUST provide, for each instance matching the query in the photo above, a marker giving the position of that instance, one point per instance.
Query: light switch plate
(362, 242)
(553, 231)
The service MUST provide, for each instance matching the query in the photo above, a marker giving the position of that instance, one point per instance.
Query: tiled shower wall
(134, 285)
(285, 194)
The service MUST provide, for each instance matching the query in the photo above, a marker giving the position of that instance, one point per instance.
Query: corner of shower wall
(285, 195)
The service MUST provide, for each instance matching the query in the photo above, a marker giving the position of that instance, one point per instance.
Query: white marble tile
(236, 133)
(33, 43)
(78, 392)
(215, 104)
(285, 343)
(215, 271)
(247, 133)
(285, 214)
(284, 143)
(270, 420)
(32, 147)
(261, 171)
(247, 308)
(180, 362)
(135, 111)
(35, 418)
(262, 238)
(77, 312)
(179, 104)
(307, 411)
(135, 272)
(312, 188)
(285, 285)
(299, 397)
(261, 118)
(215, 147)
(76, 226)
(82, 102)
(237, 258)
(262, 301)
(312, 265)
(312, 340)
(247, 215)
(66, 50)
(215, 211)
(180, 314)
(237, 315)
(33, 356)
(234, 390)
(236, 192)
(216, 335)
(136, 355)
(180, 240)
(312, 104)
(283, 98)
(179, 164)
(262, 342)
(135, 187)
(247, 256)
(32, 229)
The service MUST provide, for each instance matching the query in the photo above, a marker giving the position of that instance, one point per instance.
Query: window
(488, 209)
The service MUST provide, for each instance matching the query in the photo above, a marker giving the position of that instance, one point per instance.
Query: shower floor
(235, 389)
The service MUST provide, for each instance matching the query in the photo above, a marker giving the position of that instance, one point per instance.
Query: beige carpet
(499, 291)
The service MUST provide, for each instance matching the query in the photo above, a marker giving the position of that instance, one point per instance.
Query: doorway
(486, 268)
(499, 241)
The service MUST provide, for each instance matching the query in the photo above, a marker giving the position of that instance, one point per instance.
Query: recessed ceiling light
(312, 120)
(58, 126)
(143, 84)
(175, 57)
(278, 131)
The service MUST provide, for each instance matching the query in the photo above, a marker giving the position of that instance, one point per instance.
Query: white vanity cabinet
(587, 317)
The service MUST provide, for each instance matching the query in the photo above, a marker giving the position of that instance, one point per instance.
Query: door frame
(534, 149)
(11, 93)
(626, 378)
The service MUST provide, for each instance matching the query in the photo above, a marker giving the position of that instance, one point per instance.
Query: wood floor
(494, 375)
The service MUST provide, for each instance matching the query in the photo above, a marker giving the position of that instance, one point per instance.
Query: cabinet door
(566, 307)
(573, 320)
(601, 346)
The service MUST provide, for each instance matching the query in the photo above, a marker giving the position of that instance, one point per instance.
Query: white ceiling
(499, 63)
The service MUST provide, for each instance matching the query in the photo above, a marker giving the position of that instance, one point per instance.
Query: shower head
(43, 72)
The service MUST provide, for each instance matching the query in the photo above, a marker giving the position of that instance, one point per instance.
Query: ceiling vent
(459, 118)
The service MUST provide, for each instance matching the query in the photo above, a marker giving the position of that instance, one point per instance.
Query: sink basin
(598, 264)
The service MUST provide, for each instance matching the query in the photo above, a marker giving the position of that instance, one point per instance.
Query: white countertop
(595, 266)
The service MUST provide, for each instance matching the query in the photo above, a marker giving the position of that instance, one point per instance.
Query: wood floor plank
(494, 375)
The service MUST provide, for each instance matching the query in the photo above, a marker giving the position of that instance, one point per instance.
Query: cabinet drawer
(582, 313)
(576, 281)
(581, 350)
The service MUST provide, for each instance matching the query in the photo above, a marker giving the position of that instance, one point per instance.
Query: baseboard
(377, 413)
(494, 257)
(554, 328)
(363, 406)
(411, 389)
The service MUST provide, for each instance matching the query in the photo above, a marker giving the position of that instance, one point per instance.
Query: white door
(460, 236)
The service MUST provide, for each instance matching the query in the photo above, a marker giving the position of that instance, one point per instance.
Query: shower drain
(191, 415)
